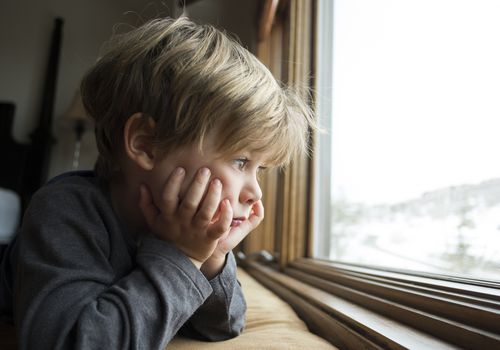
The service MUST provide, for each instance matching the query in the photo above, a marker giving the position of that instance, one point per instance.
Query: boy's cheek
(158, 180)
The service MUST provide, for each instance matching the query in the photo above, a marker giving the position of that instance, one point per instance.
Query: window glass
(408, 172)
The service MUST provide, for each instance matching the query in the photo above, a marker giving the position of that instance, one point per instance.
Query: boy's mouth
(237, 221)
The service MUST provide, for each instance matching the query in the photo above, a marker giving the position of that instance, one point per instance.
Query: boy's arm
(69, 294)
(222, 316)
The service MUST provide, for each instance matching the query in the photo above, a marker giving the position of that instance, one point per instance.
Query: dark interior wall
(25, 32)
(239, 17)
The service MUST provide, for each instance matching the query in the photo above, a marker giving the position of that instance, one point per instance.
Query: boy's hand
(236, 234)
(188, 223)
(231, 239)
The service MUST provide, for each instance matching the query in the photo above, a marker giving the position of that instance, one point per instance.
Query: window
(355, 306)
(408, 174)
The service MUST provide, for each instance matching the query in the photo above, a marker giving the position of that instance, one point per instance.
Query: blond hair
(191, 79)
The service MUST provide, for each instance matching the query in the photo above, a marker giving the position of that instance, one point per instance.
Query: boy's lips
(237, 221)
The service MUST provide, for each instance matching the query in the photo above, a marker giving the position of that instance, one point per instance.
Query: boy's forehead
(251, 153)
(213, 147)
(208, 153)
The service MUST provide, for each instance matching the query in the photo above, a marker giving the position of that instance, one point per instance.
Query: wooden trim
(318, 321)
(407, 293)
(461, 314)
(286, 52)
(313, 140)
(267, 18)
(486, 289)
(449, 330)
(295, 179)
(367, 327)
(265, 237)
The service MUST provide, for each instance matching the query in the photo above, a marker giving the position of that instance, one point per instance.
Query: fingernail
(216, 183)
(179, 171)
(205, 171)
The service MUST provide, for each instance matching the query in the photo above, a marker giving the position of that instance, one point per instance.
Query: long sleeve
(77, 286)
(222, 316)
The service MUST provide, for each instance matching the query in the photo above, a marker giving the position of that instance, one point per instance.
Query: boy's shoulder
(76, 201)
(72, 190)
(84, 177)
(84, 180)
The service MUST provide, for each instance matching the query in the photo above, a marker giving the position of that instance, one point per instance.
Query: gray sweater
(75, 279)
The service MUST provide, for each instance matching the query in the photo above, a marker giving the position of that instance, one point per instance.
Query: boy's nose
(251, 192)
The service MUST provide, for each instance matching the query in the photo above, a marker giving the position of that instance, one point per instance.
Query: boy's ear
(138, 134)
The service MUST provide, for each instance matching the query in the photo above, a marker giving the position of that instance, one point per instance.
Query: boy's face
(238, 174)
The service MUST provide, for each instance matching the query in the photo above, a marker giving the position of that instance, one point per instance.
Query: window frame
(352, 306)
(321, 213)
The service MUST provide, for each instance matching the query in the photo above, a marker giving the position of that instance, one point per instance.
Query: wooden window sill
(357, 307)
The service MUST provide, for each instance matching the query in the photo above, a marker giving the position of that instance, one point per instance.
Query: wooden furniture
(12, 153)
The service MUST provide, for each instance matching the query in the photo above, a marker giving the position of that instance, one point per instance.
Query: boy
(129, 255)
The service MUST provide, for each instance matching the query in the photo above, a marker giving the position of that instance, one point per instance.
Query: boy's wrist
(213, 266)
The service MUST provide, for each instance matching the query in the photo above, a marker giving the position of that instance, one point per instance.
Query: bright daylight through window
(408, 172)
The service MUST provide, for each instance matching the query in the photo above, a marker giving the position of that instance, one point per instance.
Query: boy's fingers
(247, 226)
(222, 225)
(191, 201)
(256, 218)
(147, 206)
(171, 190)
(209, 206)
(258, 212)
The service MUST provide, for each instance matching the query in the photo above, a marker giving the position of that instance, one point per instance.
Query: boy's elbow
(225, 336)
(235, 329)
(237, 325)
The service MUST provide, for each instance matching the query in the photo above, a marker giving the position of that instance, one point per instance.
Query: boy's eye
(241, 162)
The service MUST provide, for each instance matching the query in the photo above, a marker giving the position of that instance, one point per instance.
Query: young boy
(130, 255)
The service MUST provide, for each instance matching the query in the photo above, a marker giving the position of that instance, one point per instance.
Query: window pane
(414, 135)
